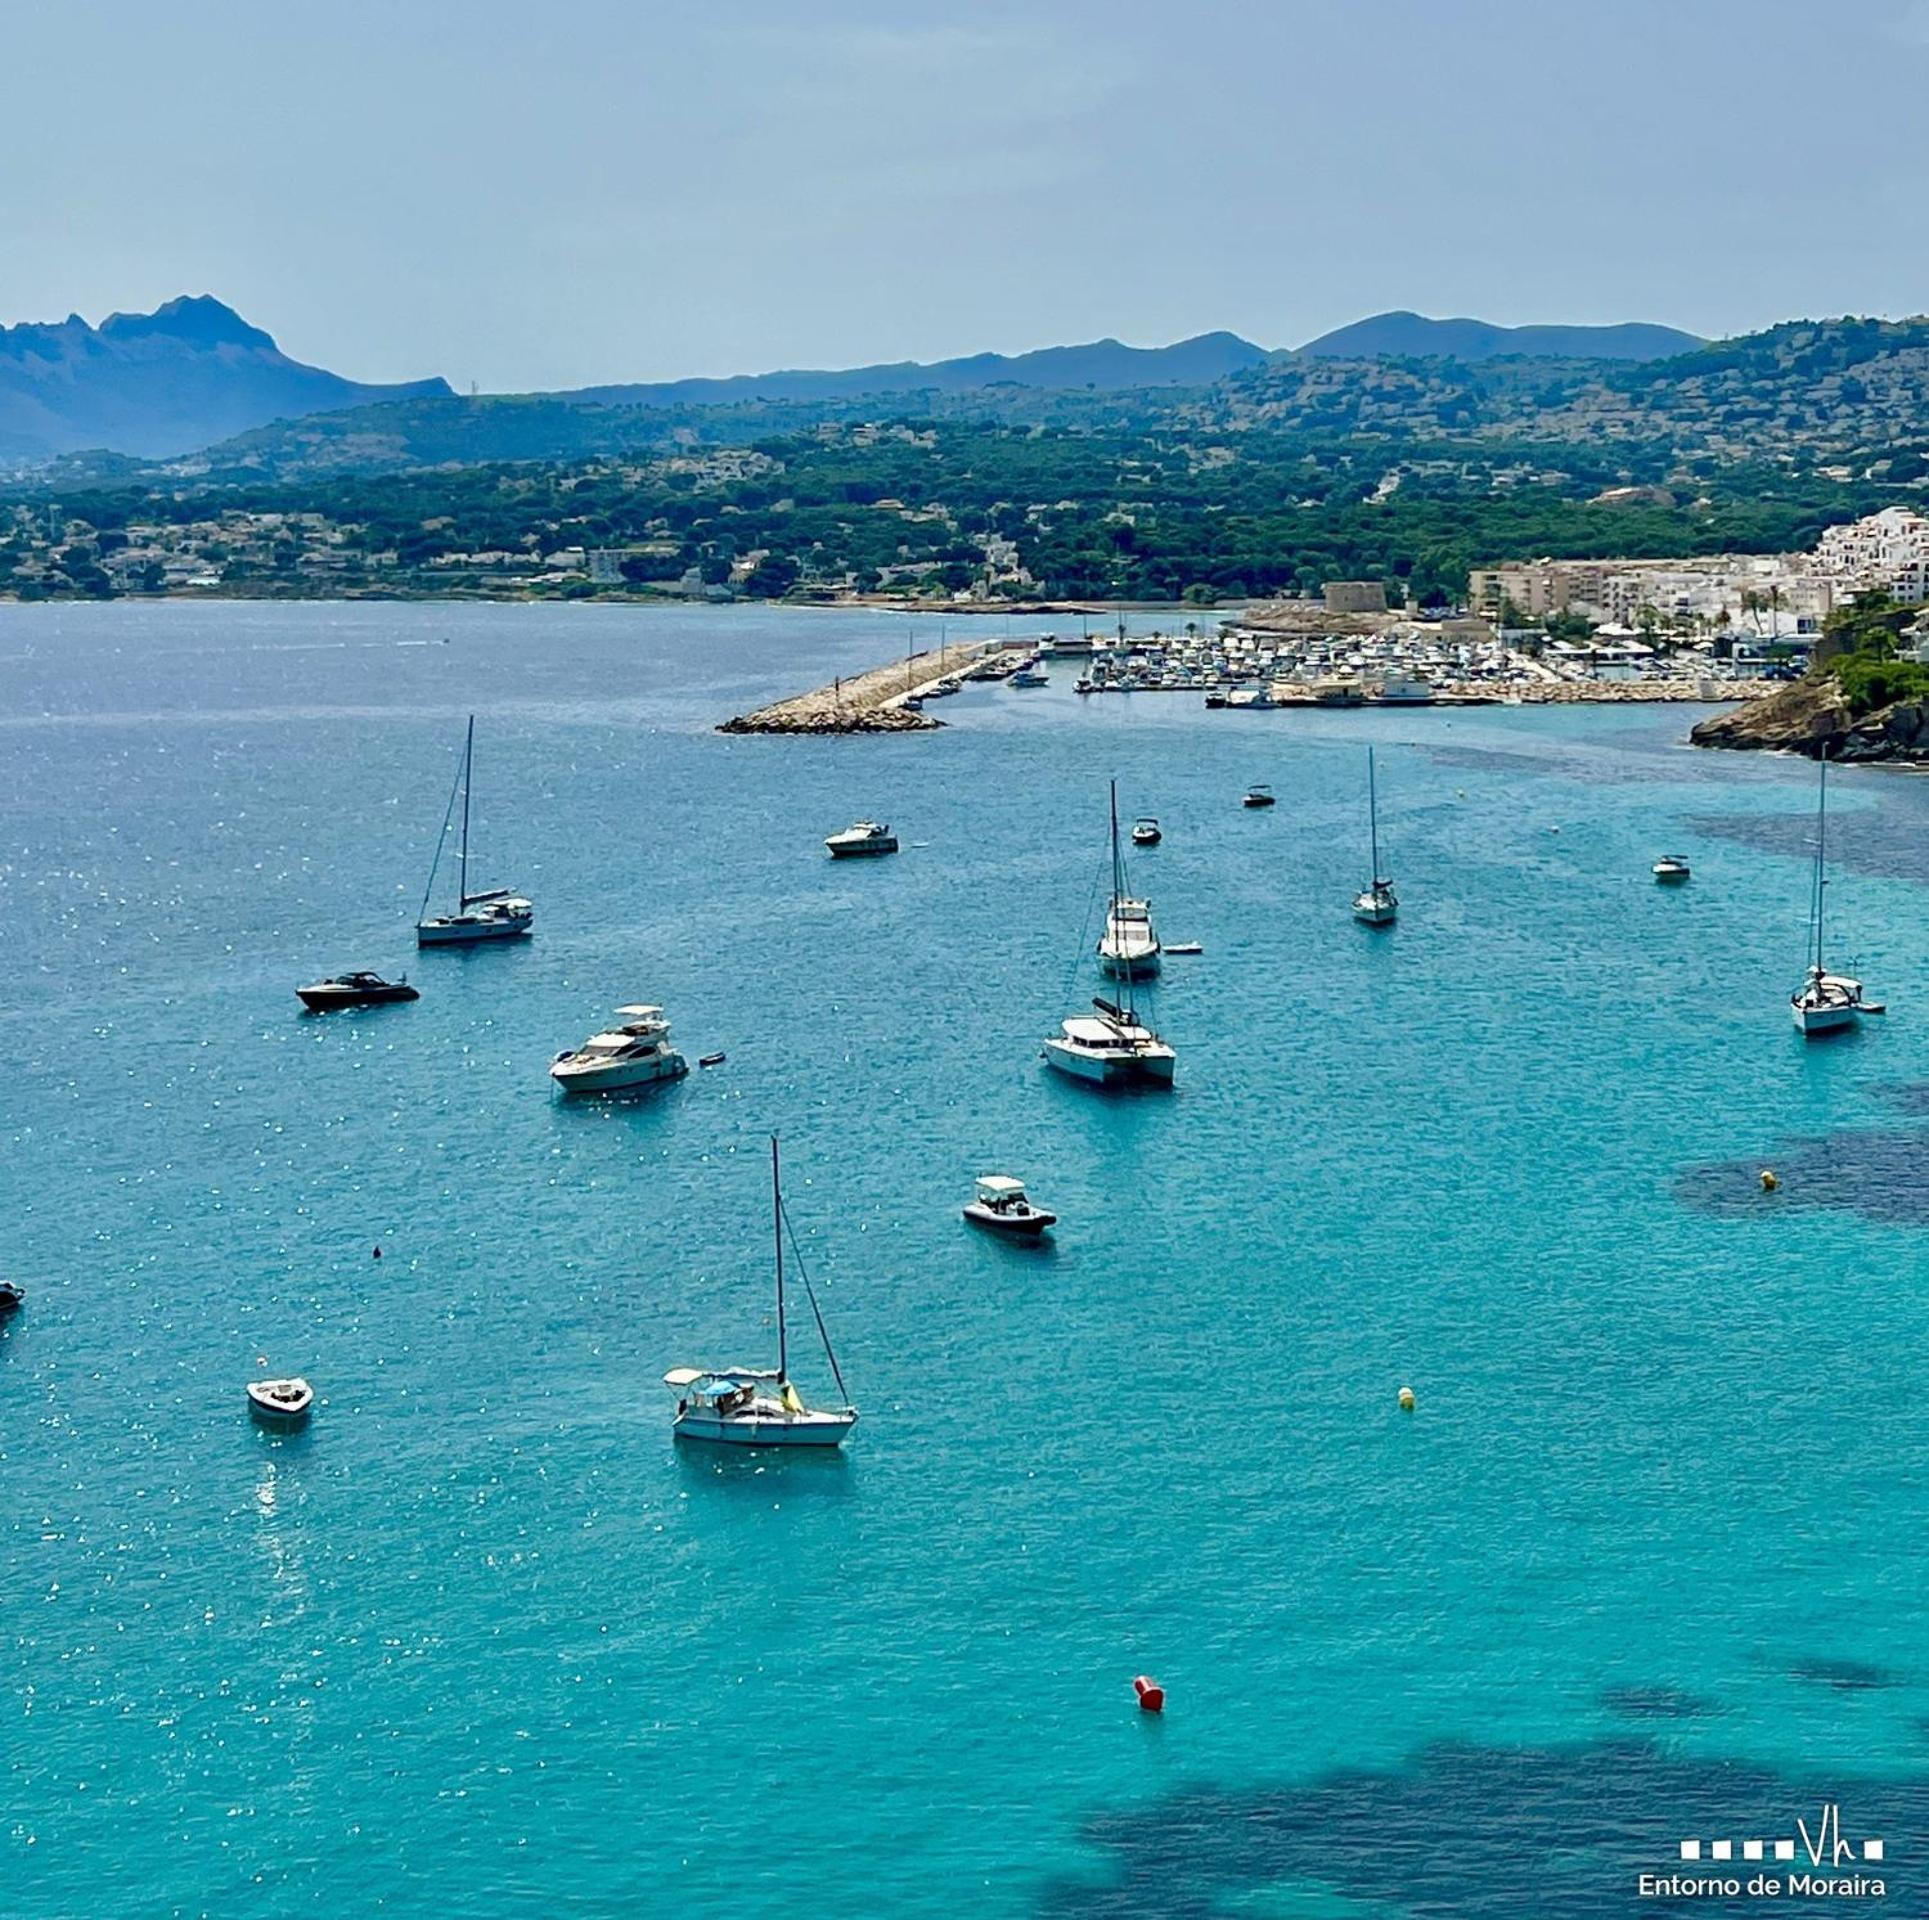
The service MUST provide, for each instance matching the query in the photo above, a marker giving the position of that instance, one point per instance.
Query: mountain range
(161, 383)
(193, 374)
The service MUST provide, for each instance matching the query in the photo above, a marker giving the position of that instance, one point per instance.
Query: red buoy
(1151, 1694)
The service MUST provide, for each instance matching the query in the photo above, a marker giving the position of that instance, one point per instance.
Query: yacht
(1146, 832)
(280, 1403)
(635, 1054)
(1258, 796)
(495, 914)
(1671, 870)
(1112, 1046)
(999, 1203)
(862, 837)
(355, 990)
(1031, 674)
(1825, 1002)
(1377, 906)
(1128, 948)
(759, 1406)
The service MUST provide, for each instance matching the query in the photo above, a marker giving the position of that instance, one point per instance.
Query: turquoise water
(484, 1639)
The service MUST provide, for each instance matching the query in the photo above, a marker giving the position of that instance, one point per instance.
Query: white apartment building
(1888, 550)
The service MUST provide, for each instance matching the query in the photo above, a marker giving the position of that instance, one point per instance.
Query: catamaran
(1112, 1046)
(1825, 1002)
(759, 1406)
(1378, 905)
(499, 913)
(1128, 949)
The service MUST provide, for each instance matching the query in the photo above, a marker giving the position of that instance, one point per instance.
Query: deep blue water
(1646, 1560)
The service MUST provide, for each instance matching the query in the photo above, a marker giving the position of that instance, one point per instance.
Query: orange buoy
(1151, 1694)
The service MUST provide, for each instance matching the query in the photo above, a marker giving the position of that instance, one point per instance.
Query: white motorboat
(1031, 674)
(497, 913)
(1671, 870)
(1825, 1002)
(635, 1054)
(1378, 906)
(1129, 948)
(759, 1406)
(1146, 831)
(860, 838)
(280, 1403)
(999, 1203)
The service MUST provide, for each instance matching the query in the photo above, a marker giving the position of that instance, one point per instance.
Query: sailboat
(1825, 1002)
(1111, 1046)
(1128, 949)
(1378, 905)
(498, 914)
(755, 1406)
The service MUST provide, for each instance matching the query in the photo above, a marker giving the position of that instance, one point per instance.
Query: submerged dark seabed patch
(1886, 841)
(1845, 1676)
(1656, 1703)
(1877, 1172)
(1481, 1833)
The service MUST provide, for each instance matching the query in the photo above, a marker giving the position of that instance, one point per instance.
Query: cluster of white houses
(1758, 594)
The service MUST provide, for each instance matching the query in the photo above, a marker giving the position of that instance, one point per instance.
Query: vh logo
(1825, 1846)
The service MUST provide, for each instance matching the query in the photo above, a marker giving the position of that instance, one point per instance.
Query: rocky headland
(1813, 717)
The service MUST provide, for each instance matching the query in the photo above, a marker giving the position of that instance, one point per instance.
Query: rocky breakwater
(1813, 717)
(872, 702)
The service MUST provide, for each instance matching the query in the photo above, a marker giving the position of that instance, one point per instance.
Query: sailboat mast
(468, 768)
(1821, 852)
(1118, 894)
(1373, 817)
(777, 1222)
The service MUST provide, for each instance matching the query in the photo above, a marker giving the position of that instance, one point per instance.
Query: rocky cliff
(1813, 718)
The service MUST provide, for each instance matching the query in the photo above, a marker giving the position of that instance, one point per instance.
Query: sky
(531, 197)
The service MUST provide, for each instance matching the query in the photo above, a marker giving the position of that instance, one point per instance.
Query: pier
(880, 700)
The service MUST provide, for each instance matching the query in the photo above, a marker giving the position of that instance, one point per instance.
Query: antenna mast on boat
(468, 767)
(777, 1222)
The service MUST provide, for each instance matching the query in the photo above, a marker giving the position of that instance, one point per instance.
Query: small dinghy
(1185, 946)
(1146, 832)
(1000, 1204)
(712, 1060)
(1671, 870)
(280, 1403)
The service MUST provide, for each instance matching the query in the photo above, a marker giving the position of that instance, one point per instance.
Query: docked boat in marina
(1258, 795)
(1031, 674)
(759, 1406)
(280, 1403)
(1671, 869)
(497, 913)
(635, 1054)
(355, 990)
(999, 1203)
(1825, 1002)
(1377, 906)
(1146, 831)
(862, 838)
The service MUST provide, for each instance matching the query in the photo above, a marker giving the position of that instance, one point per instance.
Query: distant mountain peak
(1401, 335)
(197, 319)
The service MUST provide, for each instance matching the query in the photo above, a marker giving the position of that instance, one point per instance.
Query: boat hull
(1019, 1227)
(761, 1430)
(1813, 1022)
(869, 850)
(620, 1077)
(1134, 966)
(470, 929)
(1374, 913)
(1109, 1070)
(271, 1412)
(327, 1000)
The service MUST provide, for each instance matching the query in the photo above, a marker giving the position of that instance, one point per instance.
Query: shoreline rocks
(1811, 717)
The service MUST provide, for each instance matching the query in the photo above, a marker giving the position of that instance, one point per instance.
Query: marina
(489, 1512)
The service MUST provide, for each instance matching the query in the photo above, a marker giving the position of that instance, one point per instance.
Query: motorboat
(1825, 1002)
(636, 1053)
(1146, 832)
(1129, 948)
(1378, 906)
(1031, 674)
(355, 990)
(1671, 870)
(1259, 796)
(999, 1204)
(861, 838)
(758, 1406)
(280, 1403)
(12, 1297)
(495, 913)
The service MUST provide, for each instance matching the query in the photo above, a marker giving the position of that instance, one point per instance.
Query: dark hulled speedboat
(354, 990)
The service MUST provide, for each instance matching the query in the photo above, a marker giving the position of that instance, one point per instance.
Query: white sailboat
(1128, 949)
(1378, 906)
(1112, 1046)
(498, 913)
(759, 1406)
(1825, 1002)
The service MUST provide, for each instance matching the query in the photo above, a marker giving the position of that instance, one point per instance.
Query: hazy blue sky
(541, 196)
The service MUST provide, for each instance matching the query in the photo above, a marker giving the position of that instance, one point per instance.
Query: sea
(1643, 1566)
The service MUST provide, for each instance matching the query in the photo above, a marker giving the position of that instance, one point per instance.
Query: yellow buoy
(1769, 1181)
(1406, 1399)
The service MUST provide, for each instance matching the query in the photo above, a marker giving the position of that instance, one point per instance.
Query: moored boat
(1671, 869)
(355, 990)
(1000, 1204)
(1146, 831)
(1377, 905)
(862, 838)
(759, 1406)
(1258, 795)
(495, 913)
(12, 1297)
(1825, 1002)
(280, 1403)
(636, 1053)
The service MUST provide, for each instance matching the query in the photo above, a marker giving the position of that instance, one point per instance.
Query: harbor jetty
(887, 699)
